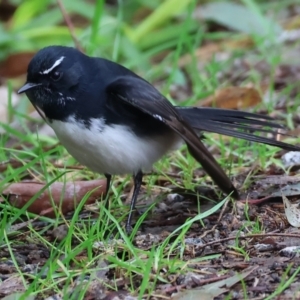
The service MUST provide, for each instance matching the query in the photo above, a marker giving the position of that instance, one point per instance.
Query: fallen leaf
(206, 52)
(291, 252)
(277, 179)
(66, 196)
(212, 290)
(11, 285)
(193, 295)
(291, 159)
(292, 212)
(17, 296)
(288, 190)
(233, 97)
(15, 64)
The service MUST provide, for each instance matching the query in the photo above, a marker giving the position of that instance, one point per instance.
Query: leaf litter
(268, 254)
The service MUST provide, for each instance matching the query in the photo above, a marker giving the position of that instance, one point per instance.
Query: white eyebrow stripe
(57, 63)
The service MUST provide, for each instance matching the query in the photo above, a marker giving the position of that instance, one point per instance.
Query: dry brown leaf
(64, 195)
(206, 52)
(203, 53)
(233, 98)
(292, 23)
(15, 64)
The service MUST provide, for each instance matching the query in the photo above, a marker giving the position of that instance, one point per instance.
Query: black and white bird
(115, 122)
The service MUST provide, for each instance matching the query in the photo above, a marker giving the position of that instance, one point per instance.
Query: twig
(249, 236)
(198, 283)
(70, 25)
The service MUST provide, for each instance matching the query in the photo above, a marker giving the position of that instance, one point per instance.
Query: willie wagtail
(115, 122)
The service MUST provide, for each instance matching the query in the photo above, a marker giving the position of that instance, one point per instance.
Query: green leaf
(162, 14)
(239, 18)
(26, 11)
(5, 37)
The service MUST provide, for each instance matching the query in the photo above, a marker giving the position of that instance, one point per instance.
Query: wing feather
(143, 96)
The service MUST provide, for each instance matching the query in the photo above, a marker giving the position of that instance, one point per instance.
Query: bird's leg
(137, 185)
(108, 180)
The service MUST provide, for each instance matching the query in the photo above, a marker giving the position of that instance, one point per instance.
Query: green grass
(99, 242)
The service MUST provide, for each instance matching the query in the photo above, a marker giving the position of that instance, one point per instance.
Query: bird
(115, 122)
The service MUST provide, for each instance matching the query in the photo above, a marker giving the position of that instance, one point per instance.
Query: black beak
(27, 86)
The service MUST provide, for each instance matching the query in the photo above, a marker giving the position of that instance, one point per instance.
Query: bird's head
(53, 76)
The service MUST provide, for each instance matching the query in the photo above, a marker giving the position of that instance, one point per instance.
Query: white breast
(111, 149)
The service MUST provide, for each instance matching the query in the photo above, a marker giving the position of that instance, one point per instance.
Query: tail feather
(239, 124)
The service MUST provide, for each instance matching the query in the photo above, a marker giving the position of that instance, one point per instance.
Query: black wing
(143, 96)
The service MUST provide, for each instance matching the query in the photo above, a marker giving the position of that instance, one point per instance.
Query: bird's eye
(56, 75)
